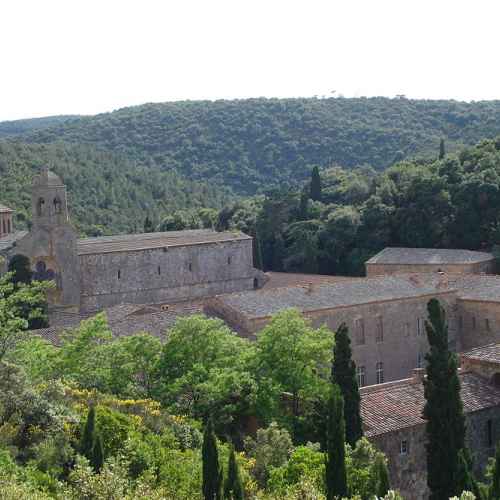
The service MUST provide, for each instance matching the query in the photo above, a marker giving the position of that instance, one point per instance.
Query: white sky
(91, 56)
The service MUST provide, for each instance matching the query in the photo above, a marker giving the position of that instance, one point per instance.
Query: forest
(249, 144)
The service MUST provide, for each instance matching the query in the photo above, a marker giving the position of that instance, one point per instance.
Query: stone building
(94, 273)
(425, 260)
(6, 226)
(385, 317)
(392, 419)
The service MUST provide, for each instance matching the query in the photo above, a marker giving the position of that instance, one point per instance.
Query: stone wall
(478, 323)
(165, 275)
(408, 472)
(401, 346)
(486, 267)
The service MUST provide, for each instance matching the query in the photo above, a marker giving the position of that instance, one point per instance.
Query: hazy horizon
(91, 57)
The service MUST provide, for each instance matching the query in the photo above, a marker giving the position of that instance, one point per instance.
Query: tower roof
(47, 178)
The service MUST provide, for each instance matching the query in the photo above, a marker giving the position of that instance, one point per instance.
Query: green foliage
(294, 357)
(247, 144)
(233, 488)
(442, 149)
(344, 375)
(494, 487)
(20, 267)
(335, 467)
(212, 472)
(87, 439)
(443, 409)
(270, 449)
(97, 458)
(108, 192)
(20, 305)
(382, 474)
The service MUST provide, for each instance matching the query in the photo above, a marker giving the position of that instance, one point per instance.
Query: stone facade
(388, 339)
(392, 416)
(425, 260)
(95, 273)
(6, 224)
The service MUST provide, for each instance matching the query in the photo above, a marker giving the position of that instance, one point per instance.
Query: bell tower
(48, 200)
(51, 244)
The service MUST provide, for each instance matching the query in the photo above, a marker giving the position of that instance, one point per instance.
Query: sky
(93, 56)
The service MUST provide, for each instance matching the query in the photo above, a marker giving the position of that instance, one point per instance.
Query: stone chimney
(418, 375)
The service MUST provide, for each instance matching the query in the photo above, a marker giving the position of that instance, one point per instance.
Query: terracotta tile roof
(126, 319)
(266, 302)
(279, 280)
(398, 405)
(429, 256)
(130, 242)
(489, 353)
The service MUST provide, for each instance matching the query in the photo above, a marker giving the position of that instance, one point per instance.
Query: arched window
(57, 205)
(39, 206)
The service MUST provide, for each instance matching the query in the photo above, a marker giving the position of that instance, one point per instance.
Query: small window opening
(39, 206)
(119, 274)
(420, 358)
(359, 326)
(190, 266)
(9, 229)
(404, 448)
(229, 261)
(487, 324)
(473, 322)
(379, 334)
(4, 226)
(159, 270)
(57, 205)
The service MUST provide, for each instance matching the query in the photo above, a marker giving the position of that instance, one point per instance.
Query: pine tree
(233, 489)
(97, 458)
(88, 435)
(442, 149)
(344, 375)
(315, 188)
(443, 409)
(382, 476)
(335, 470)
(494, 489)
(212, 472)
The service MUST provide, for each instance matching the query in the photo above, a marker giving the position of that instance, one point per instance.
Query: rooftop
(398, 405)
(429, 256)
(280, 280)
(124, 320)
(489, 353)
(47, 178)
(144, 241)
(9, 240)
(266, 302)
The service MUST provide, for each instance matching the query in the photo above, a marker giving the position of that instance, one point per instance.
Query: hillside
(18, 127)
(107, 193)
(248, 144)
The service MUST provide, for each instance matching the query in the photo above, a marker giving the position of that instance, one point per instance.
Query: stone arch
(39, 206)
(57, 205)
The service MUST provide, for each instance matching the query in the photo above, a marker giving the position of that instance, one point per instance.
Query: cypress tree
(212, 472)
(335, 470)
(233, 489)
(303, 205)
(494, 489)
(88, 435)
(148, 225)
(344, 375)
(442, 149)
(382, 476)
(315, 188)
(443, 409)
(97, 458)
(21, 267)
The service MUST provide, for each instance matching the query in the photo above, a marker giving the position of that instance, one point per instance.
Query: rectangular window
(229, 261)
(119, 274)
(361, 376)
(461, 322)
(190, 266)
(380, 372)
(473, 322)
(379, 333)
(159, 270)
(404, 447)
(359, 327)
(487, 324)
(420, 326)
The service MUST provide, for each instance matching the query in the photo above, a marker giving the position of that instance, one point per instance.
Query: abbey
(152, 268)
